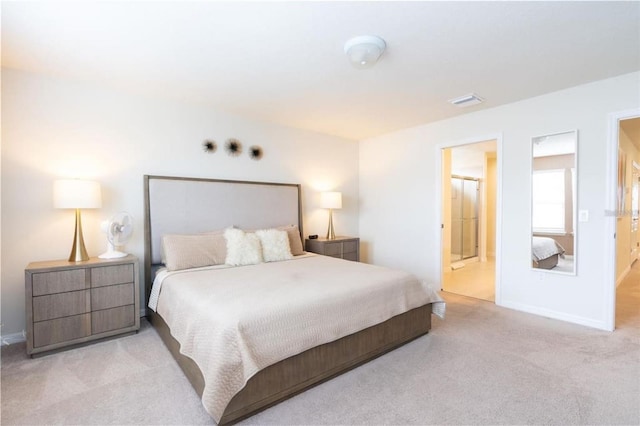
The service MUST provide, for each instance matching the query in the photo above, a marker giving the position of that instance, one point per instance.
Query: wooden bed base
(548, 263)
(300, 372)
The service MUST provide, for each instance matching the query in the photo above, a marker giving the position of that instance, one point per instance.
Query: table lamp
(331, 200)
(77, 194)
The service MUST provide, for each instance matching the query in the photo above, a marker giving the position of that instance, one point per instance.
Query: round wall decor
(255, 152)
(233, 147)
(209, 146)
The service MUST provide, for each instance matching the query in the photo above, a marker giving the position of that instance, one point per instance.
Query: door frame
(439, 219)
(611, 206)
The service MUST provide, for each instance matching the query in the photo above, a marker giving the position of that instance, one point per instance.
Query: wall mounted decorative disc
(255, 152)
(233, 147)
(209, 146)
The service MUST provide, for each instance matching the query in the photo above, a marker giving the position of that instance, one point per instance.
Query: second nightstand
(341, 247)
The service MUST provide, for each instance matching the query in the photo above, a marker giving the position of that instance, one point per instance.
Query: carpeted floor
(482, 365)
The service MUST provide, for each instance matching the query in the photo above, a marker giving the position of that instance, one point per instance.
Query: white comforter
(543, 247)
(234, 322)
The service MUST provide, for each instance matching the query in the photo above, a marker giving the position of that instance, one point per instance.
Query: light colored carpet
(482, 365)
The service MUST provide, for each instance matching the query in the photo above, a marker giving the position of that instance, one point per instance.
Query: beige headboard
(182, 205)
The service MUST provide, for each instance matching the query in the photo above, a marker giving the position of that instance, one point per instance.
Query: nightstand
(341, 247)
(68, 303)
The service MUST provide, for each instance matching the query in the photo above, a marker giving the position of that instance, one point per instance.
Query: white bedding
(234, 322)
(543, 247)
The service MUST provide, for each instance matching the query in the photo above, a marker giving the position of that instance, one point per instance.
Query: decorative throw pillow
(275, 245)
(242, 248)
(183, 251)
(295, 243)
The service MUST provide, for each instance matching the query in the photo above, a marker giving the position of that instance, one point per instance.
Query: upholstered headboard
(182, 205)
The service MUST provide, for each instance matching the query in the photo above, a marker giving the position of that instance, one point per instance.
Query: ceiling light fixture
(364, 51)
(466, 100)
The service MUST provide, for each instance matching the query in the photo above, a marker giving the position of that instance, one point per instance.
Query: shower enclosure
(464, 217)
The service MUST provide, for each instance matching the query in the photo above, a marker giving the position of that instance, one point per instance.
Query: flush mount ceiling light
(364, 51)
(466, 100)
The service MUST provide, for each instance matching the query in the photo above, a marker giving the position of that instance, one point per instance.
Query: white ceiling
(283, 62)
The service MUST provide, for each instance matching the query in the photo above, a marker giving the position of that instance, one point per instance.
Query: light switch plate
(583, 216)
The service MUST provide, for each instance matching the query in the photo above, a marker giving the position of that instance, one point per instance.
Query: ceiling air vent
(466, 100)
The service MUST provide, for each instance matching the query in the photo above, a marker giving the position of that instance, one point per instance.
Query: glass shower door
(470, 218)
(464, 218)
(456, 219)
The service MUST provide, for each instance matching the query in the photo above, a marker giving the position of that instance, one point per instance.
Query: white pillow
(242, 248)
(275, 245)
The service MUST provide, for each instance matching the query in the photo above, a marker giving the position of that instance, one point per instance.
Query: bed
(545, 252)
(272, 348)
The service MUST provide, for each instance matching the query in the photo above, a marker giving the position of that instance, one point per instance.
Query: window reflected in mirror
(553, 202)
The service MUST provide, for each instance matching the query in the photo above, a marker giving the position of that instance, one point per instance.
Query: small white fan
(119, 230)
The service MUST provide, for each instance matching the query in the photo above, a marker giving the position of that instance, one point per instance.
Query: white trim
(588, 322)
(10, 339)
(438, 229)
(609, 299)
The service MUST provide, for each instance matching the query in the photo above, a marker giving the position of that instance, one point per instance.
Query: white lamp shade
(76, 194)
(331, 200)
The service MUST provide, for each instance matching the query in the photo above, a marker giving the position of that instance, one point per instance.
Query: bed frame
(189, 205)
(548, 263)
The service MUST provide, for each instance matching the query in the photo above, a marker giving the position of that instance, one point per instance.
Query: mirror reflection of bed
(548, 254)
(553, 202)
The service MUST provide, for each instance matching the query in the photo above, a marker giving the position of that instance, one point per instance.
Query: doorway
(635, 208)
(622, 206)
(469, 182)
(627, 201)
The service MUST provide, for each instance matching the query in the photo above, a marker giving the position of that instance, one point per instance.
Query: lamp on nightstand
(77, 194)
(331, 200)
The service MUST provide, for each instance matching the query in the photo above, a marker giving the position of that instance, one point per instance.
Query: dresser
(341, 247)
(68, 303)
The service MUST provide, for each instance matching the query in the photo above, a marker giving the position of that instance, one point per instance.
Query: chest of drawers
(68, 303)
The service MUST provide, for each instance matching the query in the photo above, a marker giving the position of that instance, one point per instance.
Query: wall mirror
(554, 202)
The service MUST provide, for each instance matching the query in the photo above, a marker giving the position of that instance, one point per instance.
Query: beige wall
(446, 209)
(623, 225)
(54, 128)
(399, 175)
(491, 184)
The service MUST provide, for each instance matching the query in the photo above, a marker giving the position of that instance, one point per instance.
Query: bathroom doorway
(469, 219)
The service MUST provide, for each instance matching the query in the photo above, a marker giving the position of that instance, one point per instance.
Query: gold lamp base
(331, 235)
(78, 251)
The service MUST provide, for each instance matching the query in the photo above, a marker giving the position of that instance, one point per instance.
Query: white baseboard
(10, 339)
(588, 322)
